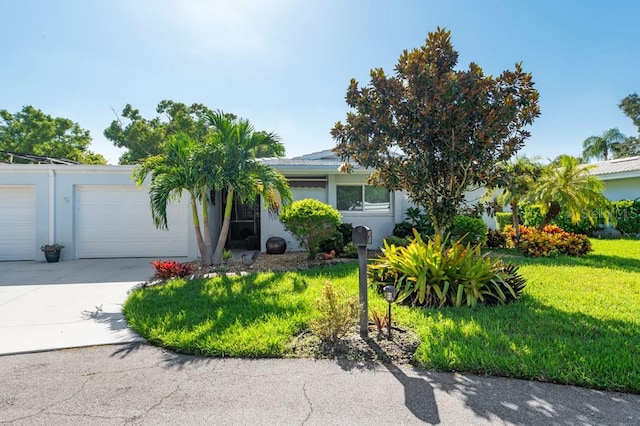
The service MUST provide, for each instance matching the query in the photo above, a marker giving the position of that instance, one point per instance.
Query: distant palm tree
(516, 180)
(566, 183)
(242, 176)
(185, 165)
(599, 147)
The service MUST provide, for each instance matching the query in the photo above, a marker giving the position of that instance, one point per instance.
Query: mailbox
(361, 235)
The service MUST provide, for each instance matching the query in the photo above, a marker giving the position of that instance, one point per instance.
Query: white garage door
(115, 221)
(18, 222)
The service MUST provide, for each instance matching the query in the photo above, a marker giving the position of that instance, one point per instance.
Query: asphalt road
(137, 384)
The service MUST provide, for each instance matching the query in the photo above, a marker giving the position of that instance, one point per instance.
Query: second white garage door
(115, 221)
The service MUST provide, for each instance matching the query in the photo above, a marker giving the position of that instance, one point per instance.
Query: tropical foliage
(604, 147)
(433, 274)
(171, 269)
(185, 165)
(550, 241)
(237, 146)
(569, 184)
(515, 178)
(433, 129)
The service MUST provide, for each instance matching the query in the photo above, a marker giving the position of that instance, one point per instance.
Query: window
(363, 198)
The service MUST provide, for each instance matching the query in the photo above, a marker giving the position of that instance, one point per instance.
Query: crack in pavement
(164, 398)
(306, 397)
(43, 410)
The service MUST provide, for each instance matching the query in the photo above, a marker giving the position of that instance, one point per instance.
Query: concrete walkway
(67, 304)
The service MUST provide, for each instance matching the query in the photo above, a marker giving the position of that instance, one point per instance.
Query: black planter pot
(276, 245)
(52, 256)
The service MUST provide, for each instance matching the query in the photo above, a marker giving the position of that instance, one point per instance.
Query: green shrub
(530, 215)
(346, 229)
(551, 241)
(468, 230)
(334, 243)
(429, 274)
(350, 251)
(503, 219)
(403, 230)
(584, 226)
(627, 217)
(495, 239)
(310, 221)
(392, 240)
(419, 220)
(336, 314)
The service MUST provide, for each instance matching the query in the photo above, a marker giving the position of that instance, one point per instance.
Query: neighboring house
(621, 178)
(99, 212)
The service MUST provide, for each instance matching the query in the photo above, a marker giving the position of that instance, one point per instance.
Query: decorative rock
(607, 233)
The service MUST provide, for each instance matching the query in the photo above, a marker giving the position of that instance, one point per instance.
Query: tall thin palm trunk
(207, 228)
(204, 253)
(224, 231)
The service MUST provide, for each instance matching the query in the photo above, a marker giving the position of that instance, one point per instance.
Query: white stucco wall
(621, 189)
(55, 198)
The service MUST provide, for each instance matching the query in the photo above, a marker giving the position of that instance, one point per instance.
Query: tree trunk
(554, 210)
(224, 231)
(207, 229)
(204, 254)
(515, 219)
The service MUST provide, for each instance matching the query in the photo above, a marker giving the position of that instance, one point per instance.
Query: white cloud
(202, 28)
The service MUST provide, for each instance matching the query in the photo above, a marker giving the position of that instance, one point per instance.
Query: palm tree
(516, 180)
(241, 174)
(185, 165)
(569, 184)
(600, 147)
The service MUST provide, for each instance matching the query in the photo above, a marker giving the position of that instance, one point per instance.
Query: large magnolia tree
(435, 130)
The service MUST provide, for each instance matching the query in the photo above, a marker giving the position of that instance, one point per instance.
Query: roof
(324, 161)
(620, 167)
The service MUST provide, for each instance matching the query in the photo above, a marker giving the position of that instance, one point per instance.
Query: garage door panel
(17, 222)
(115, 221)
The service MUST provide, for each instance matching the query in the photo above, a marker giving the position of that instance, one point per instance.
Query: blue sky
(285, 64)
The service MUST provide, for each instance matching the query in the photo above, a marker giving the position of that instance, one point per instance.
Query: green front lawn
(578, 321)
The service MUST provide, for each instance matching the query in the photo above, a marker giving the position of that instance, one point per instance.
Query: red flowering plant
(166, 269)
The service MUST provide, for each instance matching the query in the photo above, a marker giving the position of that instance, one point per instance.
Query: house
(621, 178)
(99, 212)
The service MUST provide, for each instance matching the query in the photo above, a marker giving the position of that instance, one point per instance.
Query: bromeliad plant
(433, 274)
(166, 269)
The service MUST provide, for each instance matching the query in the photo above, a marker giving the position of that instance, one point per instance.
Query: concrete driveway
(72, 303)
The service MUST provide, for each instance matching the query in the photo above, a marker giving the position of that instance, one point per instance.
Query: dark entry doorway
(244, 229)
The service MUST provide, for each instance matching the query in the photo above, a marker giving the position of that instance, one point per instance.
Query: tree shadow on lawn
(540, 343)
(202, 314)
(626, 264)
(536, 342)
